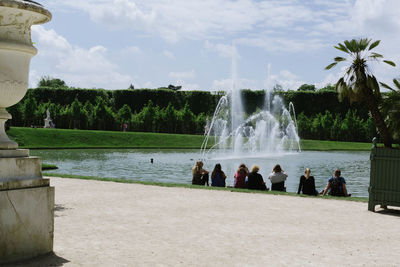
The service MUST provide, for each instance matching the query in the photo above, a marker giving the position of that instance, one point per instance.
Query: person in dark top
(254, 180)
(336, 185)
(240, 176)
(218, 176)
(200, 175)
(307, 184)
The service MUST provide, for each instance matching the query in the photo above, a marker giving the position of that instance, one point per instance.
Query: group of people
(244, 178)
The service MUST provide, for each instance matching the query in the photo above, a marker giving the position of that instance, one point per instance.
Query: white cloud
(182, 75)
(190, 86)
(279, 27)
(223, 50)
(274, 43)
(174, 20)
(168, 54)
(273, 25)
(34, 78)
(50, 42)
(132, 50)
(77, 66)
(285, 78)
(229, 84)
(147, 84)
(180, 78)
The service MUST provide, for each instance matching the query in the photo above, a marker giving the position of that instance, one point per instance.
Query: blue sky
(152, 43)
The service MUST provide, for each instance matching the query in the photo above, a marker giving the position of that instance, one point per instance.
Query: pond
(175, 165)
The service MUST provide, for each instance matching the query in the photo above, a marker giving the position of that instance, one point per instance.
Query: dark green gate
(384, 187)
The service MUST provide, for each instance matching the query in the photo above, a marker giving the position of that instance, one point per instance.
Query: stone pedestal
(26, 207)
(47, 123)
(26, 200)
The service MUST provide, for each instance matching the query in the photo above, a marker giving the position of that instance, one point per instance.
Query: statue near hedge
(359, 84)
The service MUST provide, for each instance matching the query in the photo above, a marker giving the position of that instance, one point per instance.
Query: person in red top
(240, 176)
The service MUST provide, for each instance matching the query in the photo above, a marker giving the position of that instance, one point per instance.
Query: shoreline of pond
(190, 186)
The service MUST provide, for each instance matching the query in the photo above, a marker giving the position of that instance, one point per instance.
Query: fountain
(271, 130)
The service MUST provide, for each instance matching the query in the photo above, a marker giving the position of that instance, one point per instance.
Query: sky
(208, 44)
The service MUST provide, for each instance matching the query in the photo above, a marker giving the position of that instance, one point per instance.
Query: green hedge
(171, 111)
(307, 102)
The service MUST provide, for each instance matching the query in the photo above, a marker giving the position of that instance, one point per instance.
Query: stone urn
(16, 51)
(26, 199)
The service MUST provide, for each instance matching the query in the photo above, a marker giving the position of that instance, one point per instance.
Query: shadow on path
(50, 259)
(392, 212)
(58, 209)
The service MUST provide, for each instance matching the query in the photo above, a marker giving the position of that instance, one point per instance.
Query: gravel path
(114, 224)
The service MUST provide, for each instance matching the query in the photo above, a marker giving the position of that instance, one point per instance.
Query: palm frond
(391, 63)
(342, 48)
(374, 44)
(397, 83)
(331, 65)
(384, 85)
(363, 44)
(349, 46)
(339, 59)
(349, 71)
(375, 55)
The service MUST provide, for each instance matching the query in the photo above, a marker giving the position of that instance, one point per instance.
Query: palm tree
(358, 83)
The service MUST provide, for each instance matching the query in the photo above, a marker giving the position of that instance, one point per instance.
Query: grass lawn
(60, 138)
(357, 199)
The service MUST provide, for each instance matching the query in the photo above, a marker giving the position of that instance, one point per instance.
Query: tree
(358, 83)
(131, 87)
(75, 110)
(306, 87)
(175, 88)
(103, 115)
(47, 81)
(278, 88)
(328, 87)
(124, 114)
(28, 110)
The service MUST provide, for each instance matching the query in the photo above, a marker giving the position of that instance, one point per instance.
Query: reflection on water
(175, 165)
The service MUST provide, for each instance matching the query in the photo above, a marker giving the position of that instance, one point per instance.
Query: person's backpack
(336, 187)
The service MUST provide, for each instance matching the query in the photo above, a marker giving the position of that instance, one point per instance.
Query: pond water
(175, 165)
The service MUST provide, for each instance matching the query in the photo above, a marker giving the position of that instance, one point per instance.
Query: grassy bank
(61, 138)
(357, 199)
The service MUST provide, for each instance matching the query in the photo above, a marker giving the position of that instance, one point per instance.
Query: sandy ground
(113, 224)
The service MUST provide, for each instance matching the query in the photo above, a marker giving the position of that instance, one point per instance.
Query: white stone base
(26, 219)
(21, 168)
(26, 207)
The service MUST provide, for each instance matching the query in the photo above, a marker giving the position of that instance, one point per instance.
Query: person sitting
(336, 185)
(200, 176)
(307, 184)
(240, 176)
(254, 180)
(218, 176)
(277, 178)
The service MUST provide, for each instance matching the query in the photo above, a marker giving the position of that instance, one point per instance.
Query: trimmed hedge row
(307, 102)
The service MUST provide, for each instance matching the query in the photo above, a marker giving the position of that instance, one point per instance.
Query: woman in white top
(278, 178)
